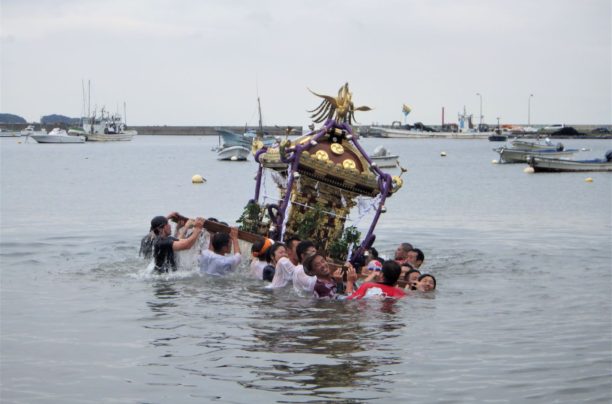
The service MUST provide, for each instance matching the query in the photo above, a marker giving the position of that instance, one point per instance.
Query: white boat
(30, 130)
(58, 135)
(9, 133)
(383, 158)
(419, 134)
(513, 155)
(233, 153)
(529, 145)
(104, 128)
(548, 164)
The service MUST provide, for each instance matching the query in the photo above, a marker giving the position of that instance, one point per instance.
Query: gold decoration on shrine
(349, 164)
(322, 155)
(337, 148)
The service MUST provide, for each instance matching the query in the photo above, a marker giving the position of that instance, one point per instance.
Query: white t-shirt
(303, 282)
(283, 273)
(212, 263)
(257, 267)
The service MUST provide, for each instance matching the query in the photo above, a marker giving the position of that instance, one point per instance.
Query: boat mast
(260, 122)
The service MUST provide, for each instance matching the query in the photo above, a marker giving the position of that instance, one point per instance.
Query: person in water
(411, 277)
(276, 253)
(301, 281)
(285, 265)
(401, 253)
(259, 251)
(216, 262)
(326, 285)
(164, 245)
(385, 287)
(426, 283)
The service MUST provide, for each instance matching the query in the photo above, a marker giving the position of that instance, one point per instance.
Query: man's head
(401, 253)
(158, 223)
(416, 257)
(304, 249)
(291, 244)
(221, 243)
(390, 272)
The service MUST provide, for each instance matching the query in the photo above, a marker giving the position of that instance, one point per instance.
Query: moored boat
(383, 158)
(233, 153)
(9, 133)
(537, 145)
(514, 155)
(58, 135)
(548, 164)
(104, 128)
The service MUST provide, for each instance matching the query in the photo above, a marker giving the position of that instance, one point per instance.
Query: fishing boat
(233, 153)
(237, 146)
(514, 155)
(58, 135)
(548, 164)
(383, 158)
(104, 128)
(546, 144)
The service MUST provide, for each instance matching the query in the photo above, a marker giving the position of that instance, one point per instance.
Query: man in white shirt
(216, 262)
(301, 281)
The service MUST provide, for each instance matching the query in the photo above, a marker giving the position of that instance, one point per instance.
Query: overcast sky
(191, 62)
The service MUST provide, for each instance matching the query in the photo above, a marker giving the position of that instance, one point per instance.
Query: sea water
(522, 312)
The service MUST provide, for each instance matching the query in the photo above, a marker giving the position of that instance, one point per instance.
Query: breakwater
(208, 130)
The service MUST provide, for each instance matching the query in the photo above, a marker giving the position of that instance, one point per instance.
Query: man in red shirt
(386, 287)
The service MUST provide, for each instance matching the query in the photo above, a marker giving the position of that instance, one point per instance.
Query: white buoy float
(588, 179)
(529, 170)
(198, 179)
(494, 161)
(443, 154)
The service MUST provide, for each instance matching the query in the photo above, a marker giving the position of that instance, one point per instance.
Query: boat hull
(385, 161)
(111, 137)
(543, 164)
(415, 134)
(509, 155)
(58, 139)
(233, 153)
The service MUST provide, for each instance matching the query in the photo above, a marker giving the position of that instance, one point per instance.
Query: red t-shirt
(377, 289)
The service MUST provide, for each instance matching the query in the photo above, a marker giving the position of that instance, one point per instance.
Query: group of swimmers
(296, 261)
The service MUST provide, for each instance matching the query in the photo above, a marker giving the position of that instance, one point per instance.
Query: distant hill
(54, 119)
(11, 119)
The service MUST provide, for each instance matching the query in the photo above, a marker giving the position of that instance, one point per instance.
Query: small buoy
(443, 154)
(529, 170)
(494, 161)
(197, 179)
(588, 179)
(19, 142)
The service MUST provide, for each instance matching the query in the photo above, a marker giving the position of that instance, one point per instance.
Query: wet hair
(259, 249)
(308, 263)
(407, 274)
(391, 272)
(373, 252)
(302, 247)
(420, 255)
(291, 240)
(220, 240)
(431, 276)
(406, 246)
(272, 250)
